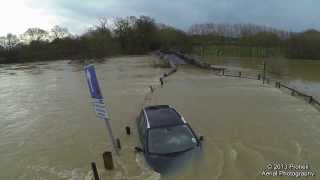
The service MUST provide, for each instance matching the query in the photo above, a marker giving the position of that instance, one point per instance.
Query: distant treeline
(140, 35)
(130, 35)
(261, 40)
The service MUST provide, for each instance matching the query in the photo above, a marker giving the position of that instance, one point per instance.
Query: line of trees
(298, 45)
(305, 45)
(140, 35)
(130, 35)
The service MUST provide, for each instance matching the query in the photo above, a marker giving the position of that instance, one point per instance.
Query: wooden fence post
(118, 143)
(95, 171)
(264, 72)
(310, 100)
(108, 160)
(128, 130)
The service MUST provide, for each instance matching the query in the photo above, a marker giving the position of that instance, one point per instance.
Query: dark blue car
(167, 140)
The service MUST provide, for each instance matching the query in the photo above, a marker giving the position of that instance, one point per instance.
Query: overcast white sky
(77, 15)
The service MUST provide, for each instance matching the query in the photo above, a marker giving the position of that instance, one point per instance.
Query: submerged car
(167, 140)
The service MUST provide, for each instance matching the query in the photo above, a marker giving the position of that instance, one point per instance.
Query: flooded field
(303, 75)
(49, 129)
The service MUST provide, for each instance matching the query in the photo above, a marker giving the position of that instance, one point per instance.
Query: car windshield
(171, 139)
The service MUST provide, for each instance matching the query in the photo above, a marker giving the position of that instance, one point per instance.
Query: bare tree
(12, 40)
(59, 32)
(2, 41)
(9, 41)
(104, 25)
(36, 34)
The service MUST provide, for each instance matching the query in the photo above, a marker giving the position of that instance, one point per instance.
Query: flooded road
(49, 129)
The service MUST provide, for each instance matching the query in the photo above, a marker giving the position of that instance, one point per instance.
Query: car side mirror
(201, 138)
(138, 149)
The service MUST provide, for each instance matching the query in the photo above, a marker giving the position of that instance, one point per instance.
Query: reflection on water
(48, 129)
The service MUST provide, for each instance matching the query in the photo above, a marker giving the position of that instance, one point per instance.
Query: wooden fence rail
(293, 91)
(240, 74)
(311, 99)
(229, 73)
(316, 102)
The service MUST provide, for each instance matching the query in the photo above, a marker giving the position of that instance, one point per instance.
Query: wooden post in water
(222, 72)
(264, 72)
(108, 160)
(128, 130)
(151, 89)
(240, 74)
(310, 100)
(259, 76)
(161, 81)
(118, 143)
(95, 171)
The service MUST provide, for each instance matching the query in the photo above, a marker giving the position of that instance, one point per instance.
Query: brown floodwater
(48, 129)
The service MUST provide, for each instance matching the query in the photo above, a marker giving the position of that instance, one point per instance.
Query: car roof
(161, 116)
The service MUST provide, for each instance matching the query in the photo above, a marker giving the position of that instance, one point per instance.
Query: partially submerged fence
(218, 70)
(241, 74)
(262, 76)
(257, 75)
(294, 92)
(173, 69)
